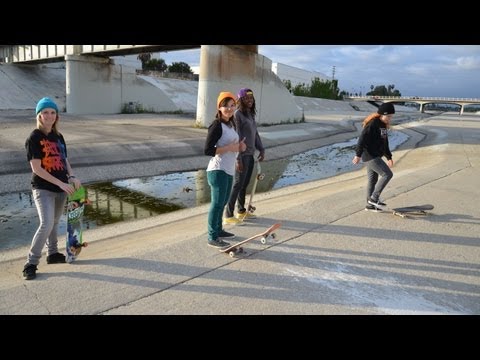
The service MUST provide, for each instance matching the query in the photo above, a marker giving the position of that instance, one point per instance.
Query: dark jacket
(247, 128)
(373, 141)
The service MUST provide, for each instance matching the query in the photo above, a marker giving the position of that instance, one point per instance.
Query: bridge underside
(96, 84)
(39, 54)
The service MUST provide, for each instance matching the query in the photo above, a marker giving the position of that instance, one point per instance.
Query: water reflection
(139, 198)
(112, 203)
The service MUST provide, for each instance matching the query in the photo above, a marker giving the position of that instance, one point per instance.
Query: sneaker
(377, 204)
(56, 258)
(29, 271)
(372, 208)
(246, 215)
(232, 221)
(219, 243)
(226, 235)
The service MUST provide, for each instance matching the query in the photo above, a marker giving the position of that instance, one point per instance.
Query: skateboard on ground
(418, 210)
(237, 248)
(259, 176)
(75, 209)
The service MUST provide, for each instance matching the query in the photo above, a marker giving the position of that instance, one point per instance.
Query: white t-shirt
(226, 161)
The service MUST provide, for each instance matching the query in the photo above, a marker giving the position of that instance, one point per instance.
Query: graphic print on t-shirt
(383, 133)
(53, 156)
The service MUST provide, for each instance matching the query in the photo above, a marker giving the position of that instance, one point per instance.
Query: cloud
(468, 62)
(417, 70)
(420, 70)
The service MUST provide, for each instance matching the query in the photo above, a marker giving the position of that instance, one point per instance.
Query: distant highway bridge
(422, 101)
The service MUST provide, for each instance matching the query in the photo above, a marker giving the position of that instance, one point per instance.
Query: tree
(144, 58)
(156, 64)
(318, 89)
(288, 85)
(382, 90)
(180, 67)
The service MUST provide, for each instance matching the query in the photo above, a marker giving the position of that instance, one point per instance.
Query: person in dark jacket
(371, 147)
(247, 128)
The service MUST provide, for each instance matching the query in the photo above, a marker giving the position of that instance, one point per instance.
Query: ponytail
(370, 118)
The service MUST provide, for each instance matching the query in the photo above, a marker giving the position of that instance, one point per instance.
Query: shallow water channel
(138, 198)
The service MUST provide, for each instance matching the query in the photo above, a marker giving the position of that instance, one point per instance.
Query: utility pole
(334, 90)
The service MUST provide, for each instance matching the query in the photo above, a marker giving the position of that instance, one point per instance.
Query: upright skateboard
(405, 212)
(237, 248)
(259, 176)
(75, 209)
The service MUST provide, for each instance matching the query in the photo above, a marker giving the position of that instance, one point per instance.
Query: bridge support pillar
(93, 84)
(462, 107)
(422, 108)
(232, 67)
(96, 85)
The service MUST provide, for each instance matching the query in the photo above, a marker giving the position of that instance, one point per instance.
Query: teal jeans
(221, 187)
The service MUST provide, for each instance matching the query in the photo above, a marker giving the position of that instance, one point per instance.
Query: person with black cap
(52, 180)
(372, 145)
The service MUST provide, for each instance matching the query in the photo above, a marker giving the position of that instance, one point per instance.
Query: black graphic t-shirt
(52, 151)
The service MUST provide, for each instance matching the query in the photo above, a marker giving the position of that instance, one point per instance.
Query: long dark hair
(241, 106)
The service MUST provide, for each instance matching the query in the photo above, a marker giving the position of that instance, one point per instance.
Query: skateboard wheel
(263, 240)
(232, 254)
(261, 177)
(85, 244)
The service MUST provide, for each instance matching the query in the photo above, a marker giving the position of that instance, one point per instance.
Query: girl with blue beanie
(51, 172)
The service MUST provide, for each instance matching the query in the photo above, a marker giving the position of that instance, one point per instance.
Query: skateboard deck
(418, 210)
(75, 208)
(237, 248)
(259, 176)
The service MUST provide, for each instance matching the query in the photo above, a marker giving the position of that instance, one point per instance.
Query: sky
(415, 70)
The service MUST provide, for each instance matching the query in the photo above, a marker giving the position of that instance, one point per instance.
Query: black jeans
(239, 190)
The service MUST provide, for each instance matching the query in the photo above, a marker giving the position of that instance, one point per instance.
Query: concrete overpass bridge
(422, 101)
(96, 84)
(38, 54)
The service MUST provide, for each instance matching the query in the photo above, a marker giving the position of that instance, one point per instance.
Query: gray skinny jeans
(50, 207)
(376, 167)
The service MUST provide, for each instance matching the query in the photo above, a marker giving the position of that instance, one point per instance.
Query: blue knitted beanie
(44, 104)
